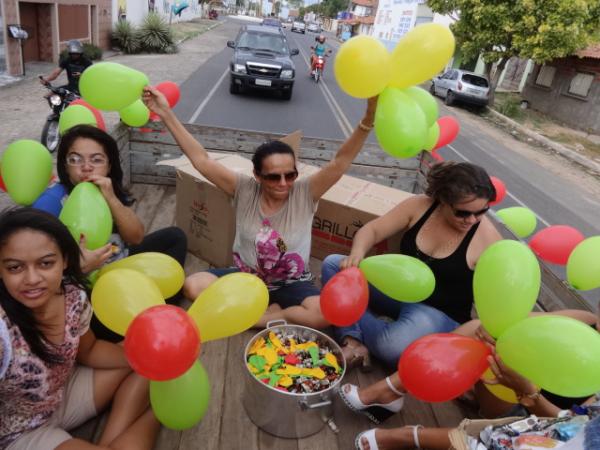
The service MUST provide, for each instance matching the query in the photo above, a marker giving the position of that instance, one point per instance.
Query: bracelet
(364, 127)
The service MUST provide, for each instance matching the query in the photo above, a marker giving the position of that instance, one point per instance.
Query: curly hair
(451, 182)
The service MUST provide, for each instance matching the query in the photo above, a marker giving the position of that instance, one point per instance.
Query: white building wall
(136, 10)
(394, 19)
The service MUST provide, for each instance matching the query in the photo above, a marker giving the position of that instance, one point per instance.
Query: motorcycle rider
(318, 50)
(74, 64)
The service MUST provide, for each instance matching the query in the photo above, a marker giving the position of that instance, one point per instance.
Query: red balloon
(97, 114)
(171, 92)
(440, 367)
(154, 117)
(449, 128)
(555, 243)
(435, 155)
(162, 342)
(500, 190)
(2, 186)
(344, 299)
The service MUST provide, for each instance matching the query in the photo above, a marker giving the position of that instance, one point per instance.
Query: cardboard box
(206, 215)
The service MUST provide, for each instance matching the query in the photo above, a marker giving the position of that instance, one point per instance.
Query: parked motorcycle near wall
(58, 99)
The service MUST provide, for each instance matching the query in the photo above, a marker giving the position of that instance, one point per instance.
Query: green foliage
(125, 36)
(537, 29)
(90, 51)
(155, 35)
(510, 107)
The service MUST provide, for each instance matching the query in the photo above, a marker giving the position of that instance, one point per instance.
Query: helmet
(321, 39)
(74, 46)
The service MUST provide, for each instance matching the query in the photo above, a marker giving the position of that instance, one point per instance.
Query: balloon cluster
(162, 342)
(556, 244)
(114, 87)
(406, 120)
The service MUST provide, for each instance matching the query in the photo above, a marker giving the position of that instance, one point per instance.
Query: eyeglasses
(463, 213)
(276, 177)
(77, 160)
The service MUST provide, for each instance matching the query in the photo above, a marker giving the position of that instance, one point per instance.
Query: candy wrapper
(293, 364)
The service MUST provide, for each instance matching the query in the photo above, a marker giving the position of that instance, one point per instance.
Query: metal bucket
(285, 414)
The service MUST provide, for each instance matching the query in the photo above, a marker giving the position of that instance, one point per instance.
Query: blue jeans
(387, 340)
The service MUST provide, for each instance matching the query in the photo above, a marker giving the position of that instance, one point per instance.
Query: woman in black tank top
(446, 228)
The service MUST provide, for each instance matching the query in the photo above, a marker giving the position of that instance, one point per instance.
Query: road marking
(520, 202)
(339, 115)
(208, 97)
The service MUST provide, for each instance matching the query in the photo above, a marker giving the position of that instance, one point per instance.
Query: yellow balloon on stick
(420, 54)
(230, 305)
(164, 270)
(362, 67)
(120, 295)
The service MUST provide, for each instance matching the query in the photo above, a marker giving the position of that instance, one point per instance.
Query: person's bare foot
(389, 439)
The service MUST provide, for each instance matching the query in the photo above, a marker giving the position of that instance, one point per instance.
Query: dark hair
(270, 148)
(115, 173)
(19, 219)
(451, 182)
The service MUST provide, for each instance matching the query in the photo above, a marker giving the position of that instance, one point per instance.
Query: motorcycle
(318, 66)
(58, 100)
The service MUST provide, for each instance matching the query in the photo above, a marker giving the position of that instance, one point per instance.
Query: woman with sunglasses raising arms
(446, 228)
(87, 153)
(274, 214)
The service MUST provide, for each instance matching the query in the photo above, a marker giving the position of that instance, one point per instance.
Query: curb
(544, 141)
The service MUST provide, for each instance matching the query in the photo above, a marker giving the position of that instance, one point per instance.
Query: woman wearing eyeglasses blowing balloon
(446, 228)
(274, 214)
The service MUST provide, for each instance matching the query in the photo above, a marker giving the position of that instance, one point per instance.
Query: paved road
(322, 110)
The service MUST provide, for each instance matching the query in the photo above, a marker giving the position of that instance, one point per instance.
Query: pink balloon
(555, 243)
(170, 91)
(449, 128)
(435, 155)
(500, 190)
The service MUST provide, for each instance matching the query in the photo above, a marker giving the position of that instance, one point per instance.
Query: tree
(538, 29)
(330, 8)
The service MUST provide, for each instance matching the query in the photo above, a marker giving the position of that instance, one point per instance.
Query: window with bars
(545, 76)
(581, 84)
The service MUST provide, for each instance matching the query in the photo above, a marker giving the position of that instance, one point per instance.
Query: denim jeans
(385, 339)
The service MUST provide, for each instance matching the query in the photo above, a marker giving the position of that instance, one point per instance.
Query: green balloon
(583, 266)
(181, 403)
(111, 86)
(425, 101)
(400, 277)
(521, 221)
(433, 135)
(86, 212)
(557, 353)
(136, 114)
(26, 170)
(400, 124)
(506, 285)
(75, 115)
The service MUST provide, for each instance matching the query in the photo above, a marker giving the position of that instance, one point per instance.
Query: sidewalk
(24, 108)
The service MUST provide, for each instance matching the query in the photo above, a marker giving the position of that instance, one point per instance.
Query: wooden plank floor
(226, 425)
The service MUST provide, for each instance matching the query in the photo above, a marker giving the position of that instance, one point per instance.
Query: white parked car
(299, 27)
(314, 27)
(463, 86)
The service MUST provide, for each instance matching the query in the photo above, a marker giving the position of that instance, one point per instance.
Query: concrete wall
(557, 102)
(136, 10)
(48, 20)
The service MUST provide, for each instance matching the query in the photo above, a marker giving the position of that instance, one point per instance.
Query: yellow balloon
(420, 54)
(499, 390)
(230, 305)
(164, 270)
(122, 294)
(362, 67)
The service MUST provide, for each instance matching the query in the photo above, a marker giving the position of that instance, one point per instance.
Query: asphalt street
(323, 110)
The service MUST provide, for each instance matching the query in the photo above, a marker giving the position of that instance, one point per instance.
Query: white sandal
(369, 435)
(376, 412)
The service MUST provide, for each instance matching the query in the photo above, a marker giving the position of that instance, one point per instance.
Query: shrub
(126, 37)
(90, 51)
(510, 107)
(155, 36)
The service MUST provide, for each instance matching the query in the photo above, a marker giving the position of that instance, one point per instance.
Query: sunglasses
(463, 213)
(276, 177)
